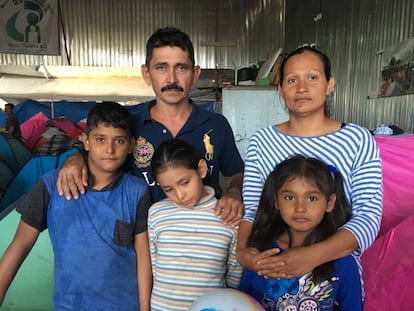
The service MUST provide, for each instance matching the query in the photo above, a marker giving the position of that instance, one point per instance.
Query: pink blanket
(397, 154)
(388, 270)
(388, 265)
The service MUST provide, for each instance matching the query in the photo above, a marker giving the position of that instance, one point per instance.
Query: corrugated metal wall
(114, 32)
(352, 32)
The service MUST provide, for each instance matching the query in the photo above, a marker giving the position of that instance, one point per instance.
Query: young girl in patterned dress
(303, 202)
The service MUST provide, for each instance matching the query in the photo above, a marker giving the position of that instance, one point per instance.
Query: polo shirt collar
(146, 117)
(197, 115)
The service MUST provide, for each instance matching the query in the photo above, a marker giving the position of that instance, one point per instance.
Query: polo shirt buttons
(164, 131)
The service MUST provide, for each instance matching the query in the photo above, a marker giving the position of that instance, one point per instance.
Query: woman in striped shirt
(305, 82)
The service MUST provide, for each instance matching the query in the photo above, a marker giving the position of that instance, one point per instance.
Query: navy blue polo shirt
(209, 132)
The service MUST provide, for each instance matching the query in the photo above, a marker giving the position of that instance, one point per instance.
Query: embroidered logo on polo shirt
(208, 146)
(143, 152)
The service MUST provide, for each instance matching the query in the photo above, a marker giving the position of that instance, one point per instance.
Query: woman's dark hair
(110, 113)
(178, 153)
(324, 59)
(169, 36)
(269, 225)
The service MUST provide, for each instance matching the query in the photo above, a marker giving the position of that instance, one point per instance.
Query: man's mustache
(172, 86)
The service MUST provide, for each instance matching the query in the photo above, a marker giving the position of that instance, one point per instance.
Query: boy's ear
(331, 203)
(202, 168)
(85, 141)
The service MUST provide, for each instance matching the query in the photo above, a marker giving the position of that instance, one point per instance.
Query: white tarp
(73, 83)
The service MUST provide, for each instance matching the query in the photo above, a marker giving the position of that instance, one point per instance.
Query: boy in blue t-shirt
(100, 241)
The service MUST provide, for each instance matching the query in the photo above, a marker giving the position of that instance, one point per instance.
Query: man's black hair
(169, 36)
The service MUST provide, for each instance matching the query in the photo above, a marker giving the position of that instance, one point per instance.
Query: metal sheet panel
(114, 32)
(353, 33)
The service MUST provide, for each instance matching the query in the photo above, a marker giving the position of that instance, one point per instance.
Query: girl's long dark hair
(178, 153)
(174, 153)
(268, 225)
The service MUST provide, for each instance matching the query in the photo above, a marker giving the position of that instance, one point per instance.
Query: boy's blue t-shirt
(93, 244)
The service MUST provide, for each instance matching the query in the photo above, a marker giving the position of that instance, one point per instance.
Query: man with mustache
(171, 71)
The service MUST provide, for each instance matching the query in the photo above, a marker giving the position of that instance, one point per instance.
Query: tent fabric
(33, 128)
(55, 144)
(3, 119)
(54, 151)
(50, 136)
(20, 151)
(74, 111)
(30, 174)
(6, 175)
(388, 265)
(13, 152)
(68, 126)
(13, 155)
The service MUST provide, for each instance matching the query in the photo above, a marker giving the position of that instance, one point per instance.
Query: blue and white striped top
(351, 149)
(192, 252)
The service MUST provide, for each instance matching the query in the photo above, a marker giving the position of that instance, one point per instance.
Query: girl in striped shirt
(192, 250)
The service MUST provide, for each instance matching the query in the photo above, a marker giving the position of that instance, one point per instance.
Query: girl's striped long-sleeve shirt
(192, 252)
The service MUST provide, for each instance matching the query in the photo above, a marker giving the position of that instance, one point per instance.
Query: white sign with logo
(29, 27)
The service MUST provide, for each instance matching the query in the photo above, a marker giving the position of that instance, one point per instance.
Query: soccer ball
(226, 299)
